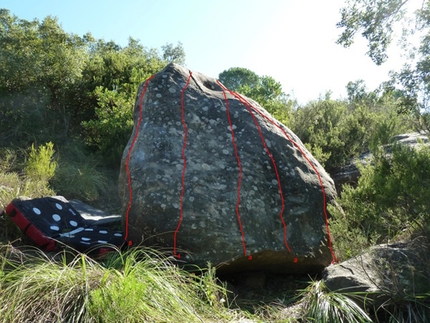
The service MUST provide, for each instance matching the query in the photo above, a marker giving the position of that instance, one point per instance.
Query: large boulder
(213, 177)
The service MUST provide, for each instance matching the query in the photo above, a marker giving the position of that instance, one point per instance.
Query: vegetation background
(66, 115)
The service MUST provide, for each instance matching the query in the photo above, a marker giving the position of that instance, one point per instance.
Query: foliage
(263, 89)
(134, 286)
(336, 131)
(55, 86)
(79, 175)
(322, 305)
(40, 166)
(174, 54)
(391, 197)
(377, 20)
(33, 181)
(109, 129)
(39, 66)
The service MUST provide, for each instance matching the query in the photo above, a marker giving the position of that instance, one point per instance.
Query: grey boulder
(213, 177)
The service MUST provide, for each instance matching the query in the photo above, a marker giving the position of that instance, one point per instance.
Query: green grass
(135, 286)
(142, 285)
(324, 306)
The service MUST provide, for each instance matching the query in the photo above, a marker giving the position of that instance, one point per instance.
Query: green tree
(174, 54)
(376, 20)
(321, 126)
(357, 92)
(263, 89)
(337, 130)
(118, 71)
(39, 65)
(237, 77)
(56, 86)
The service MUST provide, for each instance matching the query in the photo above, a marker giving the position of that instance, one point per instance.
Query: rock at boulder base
(213, 177)
(385, 273)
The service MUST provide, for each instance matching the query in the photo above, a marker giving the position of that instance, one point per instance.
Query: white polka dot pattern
(58, 220)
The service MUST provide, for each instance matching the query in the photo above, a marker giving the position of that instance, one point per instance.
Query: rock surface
(213, 177)
(387, 272)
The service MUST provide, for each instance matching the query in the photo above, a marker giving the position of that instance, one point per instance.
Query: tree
(357, 92)
(174, 54)
(237, 77)
(263, 89)
(376, 20)
(55, 86)
(39, 65)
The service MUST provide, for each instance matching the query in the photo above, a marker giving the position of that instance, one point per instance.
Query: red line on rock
(249, 107)
(181, 195)
(334, 259)
(239, 164)
(127, 160)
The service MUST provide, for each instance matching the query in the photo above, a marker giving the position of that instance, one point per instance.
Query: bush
(392, 198)
(109, 132)
(78, 175)
(40, 166)
(335, 131)
(34, 182)
(39, 169)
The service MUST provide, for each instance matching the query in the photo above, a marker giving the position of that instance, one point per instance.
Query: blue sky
(291, 40)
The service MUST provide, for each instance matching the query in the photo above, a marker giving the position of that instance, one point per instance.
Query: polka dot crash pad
(54, 222)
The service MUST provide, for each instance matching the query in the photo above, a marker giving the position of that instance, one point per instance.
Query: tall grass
(33, 181)
(135, 286)
(79, 174)
(324, 306)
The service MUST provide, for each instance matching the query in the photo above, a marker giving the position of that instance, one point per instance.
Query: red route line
(127, 160)
(181, 196)
(248, 106)
(334, 259)
(239, 164)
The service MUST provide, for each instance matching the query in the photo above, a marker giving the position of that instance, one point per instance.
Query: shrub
(109, 132)
(80, 176)
(392, 198)
(34, 182)
(39, 169)
(335, 131)
(40, 165)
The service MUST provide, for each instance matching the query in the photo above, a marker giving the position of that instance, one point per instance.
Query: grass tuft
(139, 285)
(324, 306)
